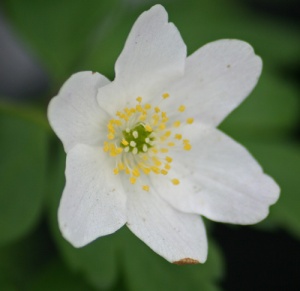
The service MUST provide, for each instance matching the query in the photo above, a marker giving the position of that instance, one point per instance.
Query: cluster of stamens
(140, 138)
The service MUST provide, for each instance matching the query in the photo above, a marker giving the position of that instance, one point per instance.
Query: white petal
(154, 54)
(218, 179)
(93, 201)
(218, 77)
(178, 237)
(74, 113)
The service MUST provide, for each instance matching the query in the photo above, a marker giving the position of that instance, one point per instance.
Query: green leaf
(97, 262)
(282, 162)
(59, 32)
(23, 145)
(147, 271)
(270, 111)
(57, 277)
(20, 261)
(205, 21)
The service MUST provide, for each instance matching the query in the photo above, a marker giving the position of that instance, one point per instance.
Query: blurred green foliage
(69, 36)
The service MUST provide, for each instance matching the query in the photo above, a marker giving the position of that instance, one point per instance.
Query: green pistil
(139, 136)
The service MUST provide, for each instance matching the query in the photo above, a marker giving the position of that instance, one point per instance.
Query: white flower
(143, 150)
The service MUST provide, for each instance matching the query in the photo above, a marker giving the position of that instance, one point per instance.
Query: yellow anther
(156, 170)
(146, 170)
(116, 171)
(186, 141)
(175, 181)
(119, 150)
(156, 161)
(117, 122)
(124, 142)
(110, 136)
(190, 120)
(142, 117)
(110, 127)
(178, 136)
(168, 133)
(164, 150)
(171, 144)
(121, 166)
(139, 108)
(181, 108)
(127, 171)
(147, 106)
(154, 150)
(139, 99)
(157, 109)
(155, 117)
(106, 146)
(132, 180)
(135, 172)
(166, 95)
(148, 128)
(187, 147)
(146, 188)
(169, 159)
(162, 126)
(167, 166)
(145, 157)
(164, 172)
(176, 123)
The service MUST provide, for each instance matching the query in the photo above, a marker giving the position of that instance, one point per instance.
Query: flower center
(139, 139)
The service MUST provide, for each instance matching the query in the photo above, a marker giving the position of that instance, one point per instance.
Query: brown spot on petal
(186, 261)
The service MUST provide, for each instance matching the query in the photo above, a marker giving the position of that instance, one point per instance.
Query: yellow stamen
(187, 147)
(190, 120)
(176, 123)
(175, 181)
(121, 166)
(181, 108)
(146, 188)
(167, 166)
(110, 136)
(166, 95)
(148, 128)
(156, 170)
(162, 126)
(164, 172)
(167, 133)
(116, 171)
(106, 146)
(169, 159)
(178, 136)
(132, 180)
(139, 99)
(136, 172)
(124, 142)
(164, 150)
(157, 109)
(142, 117)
